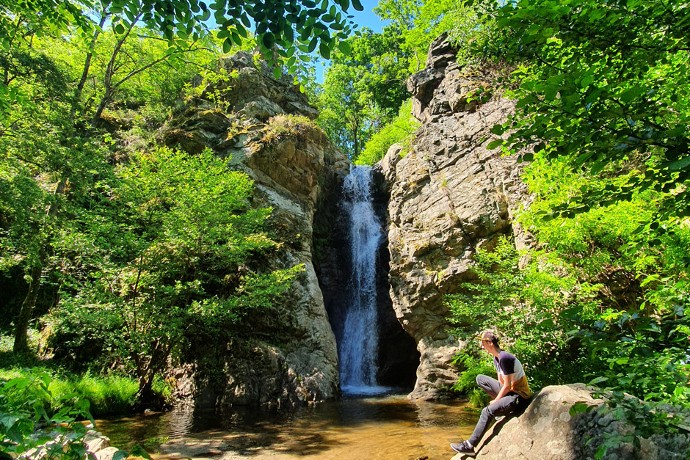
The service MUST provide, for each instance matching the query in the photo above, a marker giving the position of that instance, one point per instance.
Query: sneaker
(462, 447)
(500, 417)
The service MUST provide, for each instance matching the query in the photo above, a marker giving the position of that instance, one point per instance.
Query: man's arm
(506, 382)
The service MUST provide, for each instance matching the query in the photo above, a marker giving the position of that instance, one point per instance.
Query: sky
(365, 18)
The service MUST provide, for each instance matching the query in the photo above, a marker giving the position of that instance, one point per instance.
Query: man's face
(486, 345)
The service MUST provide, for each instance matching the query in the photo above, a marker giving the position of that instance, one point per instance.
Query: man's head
(489, 340)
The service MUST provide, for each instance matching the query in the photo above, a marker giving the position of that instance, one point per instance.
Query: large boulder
(548, 431)
(449, 196)
(263, 126)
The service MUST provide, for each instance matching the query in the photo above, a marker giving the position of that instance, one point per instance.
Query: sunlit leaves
(613, 90)
(364, 87)
(281, 26)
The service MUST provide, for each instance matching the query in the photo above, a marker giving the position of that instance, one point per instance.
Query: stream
(383, 427)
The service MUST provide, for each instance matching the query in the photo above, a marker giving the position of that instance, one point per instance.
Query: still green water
(389, 427)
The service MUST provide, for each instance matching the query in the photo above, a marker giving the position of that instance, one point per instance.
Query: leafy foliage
(601, 83)
(524, 306)
(399, 131)
(635, 327)
(363, 89)
(473, 364)
(183, 227)
(421, 22)
(282, 28)
(602, 117)
(31, 418)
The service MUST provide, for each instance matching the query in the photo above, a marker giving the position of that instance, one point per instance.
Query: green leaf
(344, 47)
(495, 143)
(679, 164)
(312, 44)
(529, 156)
(498, 129)
(357, 5)
(325, 49)
(598, 380)
(268, 40)
(579, 407)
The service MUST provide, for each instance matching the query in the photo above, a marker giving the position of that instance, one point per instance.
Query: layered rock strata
(262, 125)
(449, 196)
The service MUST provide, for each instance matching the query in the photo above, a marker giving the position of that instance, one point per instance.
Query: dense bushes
(398, 131)
(603, 296)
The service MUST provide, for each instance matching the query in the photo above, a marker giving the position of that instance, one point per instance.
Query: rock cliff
(547, 431)
(263, 126)
(449, 196)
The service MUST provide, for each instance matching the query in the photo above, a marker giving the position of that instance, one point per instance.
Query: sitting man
(510, 392)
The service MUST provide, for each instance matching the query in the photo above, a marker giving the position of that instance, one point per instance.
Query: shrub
(399, 131)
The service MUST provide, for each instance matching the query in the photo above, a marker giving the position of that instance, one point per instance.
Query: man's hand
(506, 382)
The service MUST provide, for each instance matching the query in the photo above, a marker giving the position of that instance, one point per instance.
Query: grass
(108, 395)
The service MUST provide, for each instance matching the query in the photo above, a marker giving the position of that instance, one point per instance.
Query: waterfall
(358, 347)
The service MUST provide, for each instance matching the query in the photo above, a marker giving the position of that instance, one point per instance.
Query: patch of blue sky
(365, 18)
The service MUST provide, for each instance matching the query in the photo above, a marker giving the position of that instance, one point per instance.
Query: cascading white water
(358, 348)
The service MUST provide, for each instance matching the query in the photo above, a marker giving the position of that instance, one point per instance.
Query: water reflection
(390, 427)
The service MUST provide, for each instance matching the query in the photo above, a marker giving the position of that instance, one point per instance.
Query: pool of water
(364, 428)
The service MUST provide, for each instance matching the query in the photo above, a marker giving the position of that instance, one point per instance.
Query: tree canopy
(281, 26)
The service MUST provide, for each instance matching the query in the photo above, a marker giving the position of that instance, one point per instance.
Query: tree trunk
(89, 57)
(21, 327)
(110, 69)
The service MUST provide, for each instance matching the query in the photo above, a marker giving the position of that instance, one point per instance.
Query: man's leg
(488, 384)
(503, 406)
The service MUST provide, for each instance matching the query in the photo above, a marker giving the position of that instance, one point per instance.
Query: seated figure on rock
(510, 393)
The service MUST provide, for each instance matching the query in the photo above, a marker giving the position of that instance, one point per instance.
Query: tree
(41, 168)
(420, 22)
(602, 112)
(282, 27)
(175, 244)
(600, 83)
(363, 88)
(49, 160)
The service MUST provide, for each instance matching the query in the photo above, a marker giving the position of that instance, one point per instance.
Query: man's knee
(481, 378)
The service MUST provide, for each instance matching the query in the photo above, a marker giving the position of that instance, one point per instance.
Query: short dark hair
(490, 336)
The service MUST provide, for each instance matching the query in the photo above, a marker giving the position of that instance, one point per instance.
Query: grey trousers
(504, 406)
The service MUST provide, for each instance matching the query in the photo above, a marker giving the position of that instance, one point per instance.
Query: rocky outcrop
(262, 125)
(449, 196)
(94, 445)
(548, 431)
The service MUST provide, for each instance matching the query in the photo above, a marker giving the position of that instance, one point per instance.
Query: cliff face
(261, 124)
(449, 196)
